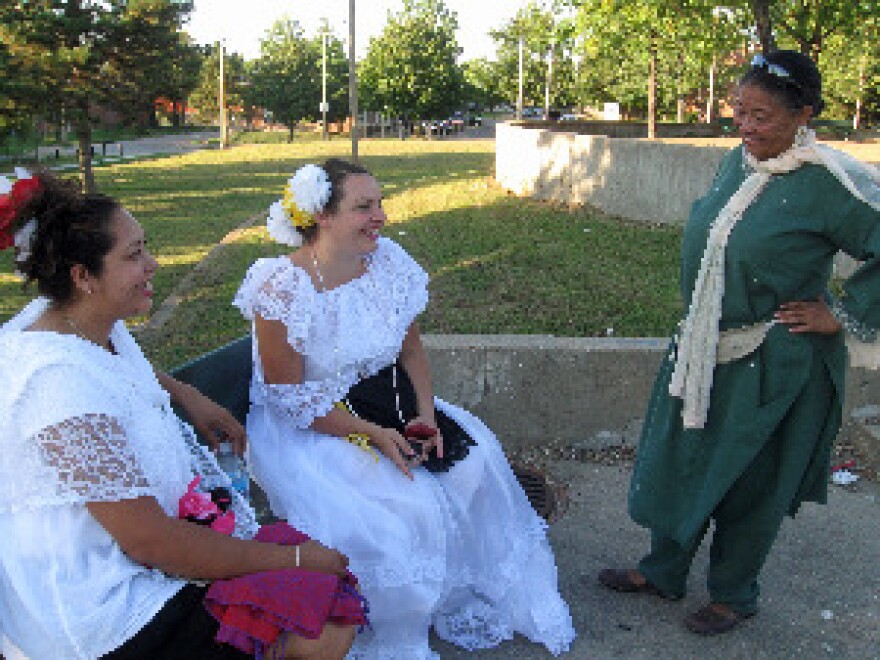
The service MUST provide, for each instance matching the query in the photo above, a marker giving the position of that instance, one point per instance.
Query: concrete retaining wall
(536, 391)
(636, 179)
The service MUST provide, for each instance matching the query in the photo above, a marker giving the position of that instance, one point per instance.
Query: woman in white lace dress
(94, 559)
(437, 528)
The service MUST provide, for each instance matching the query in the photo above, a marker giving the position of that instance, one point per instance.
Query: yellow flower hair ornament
(306, 194)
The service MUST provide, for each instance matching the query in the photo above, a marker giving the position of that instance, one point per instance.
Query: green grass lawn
(498, 263)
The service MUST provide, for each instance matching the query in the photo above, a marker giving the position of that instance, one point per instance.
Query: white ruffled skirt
(462, 550)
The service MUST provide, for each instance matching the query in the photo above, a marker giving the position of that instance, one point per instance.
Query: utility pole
(549, 80)
(519, 98)
(224, 135)
(324, 108)
(352, 84)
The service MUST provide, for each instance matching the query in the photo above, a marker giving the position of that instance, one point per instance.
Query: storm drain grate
(546, 500)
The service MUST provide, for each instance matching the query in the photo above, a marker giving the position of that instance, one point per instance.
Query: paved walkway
(821, 585)
(140, 147)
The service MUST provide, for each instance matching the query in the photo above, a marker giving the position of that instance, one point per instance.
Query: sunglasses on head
(760, 62)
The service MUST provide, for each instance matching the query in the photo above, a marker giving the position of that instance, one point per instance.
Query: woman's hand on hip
(808, 316)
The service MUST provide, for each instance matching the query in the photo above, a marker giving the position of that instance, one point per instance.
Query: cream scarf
(699, 336)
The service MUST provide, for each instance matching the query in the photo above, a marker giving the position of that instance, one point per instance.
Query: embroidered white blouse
(82, 425)
(344, 334)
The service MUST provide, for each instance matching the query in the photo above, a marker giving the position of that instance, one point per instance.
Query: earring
(802, 136)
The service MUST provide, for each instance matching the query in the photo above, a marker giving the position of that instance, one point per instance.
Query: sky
(243, 22)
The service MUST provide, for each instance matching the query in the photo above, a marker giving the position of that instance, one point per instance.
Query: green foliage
(536, 27)
(410, 70)
(69, 59)
(205, 98)
(287, 76)
(619, 38)
(810, 23)
(481, 83)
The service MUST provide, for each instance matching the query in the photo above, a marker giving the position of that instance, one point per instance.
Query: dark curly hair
(71, 228)
(801, 87)
(337, 170)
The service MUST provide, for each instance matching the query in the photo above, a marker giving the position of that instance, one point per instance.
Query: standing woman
(748, 401)
(94, 470)
(439, 533)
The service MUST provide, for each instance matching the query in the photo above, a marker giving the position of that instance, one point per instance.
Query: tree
(850, 69)
(410, 70)
(763, 24)
(287, 76)
(651, 53)
(182, 76)
(205, 98)
(535, 26)
(75, 57)
(481, 83)
(809, 23)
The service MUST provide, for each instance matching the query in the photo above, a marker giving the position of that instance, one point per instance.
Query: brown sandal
(621, 579)
(709, 620)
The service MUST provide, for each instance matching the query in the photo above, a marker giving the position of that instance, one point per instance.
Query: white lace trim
(697, 347)
(477, 626)
(300, 403)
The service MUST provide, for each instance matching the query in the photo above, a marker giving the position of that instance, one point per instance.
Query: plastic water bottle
(233, 465)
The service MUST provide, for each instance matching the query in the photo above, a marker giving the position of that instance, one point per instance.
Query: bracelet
(296, 550)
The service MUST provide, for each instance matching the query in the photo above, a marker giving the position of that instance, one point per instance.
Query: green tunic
(781, 250)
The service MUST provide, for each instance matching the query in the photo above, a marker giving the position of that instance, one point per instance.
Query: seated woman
(94, 559)
(351, 446)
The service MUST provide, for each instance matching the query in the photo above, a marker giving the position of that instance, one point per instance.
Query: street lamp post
(324, 135)
(352, 84)
(549, 81)
(519, 98)
(224, 135)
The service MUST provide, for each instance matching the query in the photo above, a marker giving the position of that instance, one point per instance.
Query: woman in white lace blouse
(351, 446)
(94, 561)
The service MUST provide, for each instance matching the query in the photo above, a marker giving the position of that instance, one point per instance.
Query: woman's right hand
(314, 556)
(391, 443)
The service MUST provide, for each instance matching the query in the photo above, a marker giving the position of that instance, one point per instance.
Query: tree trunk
(761, 10)
(84, 138)
(290, 128)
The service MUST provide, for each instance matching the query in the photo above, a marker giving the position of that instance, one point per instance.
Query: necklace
(358, 439)
(79, 331)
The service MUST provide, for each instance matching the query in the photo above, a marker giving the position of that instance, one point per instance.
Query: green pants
(748, 517)
(747, 521)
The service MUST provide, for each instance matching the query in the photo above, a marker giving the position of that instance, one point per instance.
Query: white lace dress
(461, 550)
(81, 424)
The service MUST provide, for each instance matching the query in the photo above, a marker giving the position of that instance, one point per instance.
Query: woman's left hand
(214, 423)
(435, 442)
(803, 316)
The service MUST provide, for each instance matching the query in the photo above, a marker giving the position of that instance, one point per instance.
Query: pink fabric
(256, 609)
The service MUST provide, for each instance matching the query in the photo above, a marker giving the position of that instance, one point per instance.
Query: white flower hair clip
(306, 194)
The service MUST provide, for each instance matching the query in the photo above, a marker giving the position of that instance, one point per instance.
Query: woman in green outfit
(747, 403)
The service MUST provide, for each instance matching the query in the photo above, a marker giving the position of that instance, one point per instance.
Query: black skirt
(376, 400)
(182, 630)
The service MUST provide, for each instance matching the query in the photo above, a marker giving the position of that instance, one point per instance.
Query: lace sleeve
(300, 403)
(407, 280)
(81, 459)
(278, 291)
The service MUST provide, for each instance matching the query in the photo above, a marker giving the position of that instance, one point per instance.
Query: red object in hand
(419, 431)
